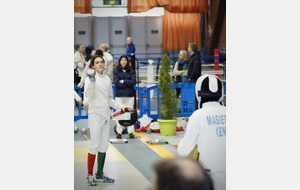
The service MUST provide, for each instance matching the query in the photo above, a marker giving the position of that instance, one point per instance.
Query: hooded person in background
(130, 48)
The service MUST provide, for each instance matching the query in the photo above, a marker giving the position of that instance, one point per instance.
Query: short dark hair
(93, 59)
(77, 46)
(169, 175)
(193, 46)
(99, 52)
(118, 66)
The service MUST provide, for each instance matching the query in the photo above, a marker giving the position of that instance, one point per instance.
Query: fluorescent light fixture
(120, 12)
(105, 12)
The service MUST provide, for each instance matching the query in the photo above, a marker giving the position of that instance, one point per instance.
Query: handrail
(187, 100)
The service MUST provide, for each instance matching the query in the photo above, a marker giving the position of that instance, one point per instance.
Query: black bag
(76, 78)
(137, 125)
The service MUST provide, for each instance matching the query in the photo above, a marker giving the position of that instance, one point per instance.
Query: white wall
(83, 24)
(103, 22)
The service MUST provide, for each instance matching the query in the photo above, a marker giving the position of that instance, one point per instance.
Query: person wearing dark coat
(124, 79)
(194, 69)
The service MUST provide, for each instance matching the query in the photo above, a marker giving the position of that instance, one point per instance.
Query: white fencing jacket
(99, 95)
(78, 62)
(109, 65)
(207, 127)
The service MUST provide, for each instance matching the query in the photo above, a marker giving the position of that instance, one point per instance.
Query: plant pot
(167, 127)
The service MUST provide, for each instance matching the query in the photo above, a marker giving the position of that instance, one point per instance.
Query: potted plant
(168, 101)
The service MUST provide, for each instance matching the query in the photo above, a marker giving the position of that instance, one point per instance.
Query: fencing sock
(100, 160)
(91, 161)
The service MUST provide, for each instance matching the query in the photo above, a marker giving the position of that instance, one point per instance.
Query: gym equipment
(76, 129)
(125, 118)
(83, 130)
(158, 141)
(118, 141)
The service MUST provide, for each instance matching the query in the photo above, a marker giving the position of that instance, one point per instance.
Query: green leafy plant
(168, 100)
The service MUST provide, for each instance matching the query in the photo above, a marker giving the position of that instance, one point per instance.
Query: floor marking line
(155, 147)
(83, 134)
(86, 137)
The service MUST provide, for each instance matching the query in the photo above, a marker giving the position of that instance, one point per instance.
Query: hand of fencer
(125, 107)
(80, 102)
(80, 85)
(93, 77)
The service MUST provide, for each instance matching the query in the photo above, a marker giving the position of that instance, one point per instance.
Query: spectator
(124, 79)
(109, 64)
(87, 70)
(181, 173)
(99, 91)
(180, 69)
(88, 51)
(130, 48)
(79, 61)
(207, 127)
(194, 69)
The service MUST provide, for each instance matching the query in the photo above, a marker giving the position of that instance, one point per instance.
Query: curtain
(83, 6)
(179, 29)
(181, 23)
(173, 6)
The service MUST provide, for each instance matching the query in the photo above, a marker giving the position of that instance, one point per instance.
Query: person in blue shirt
(130, 48)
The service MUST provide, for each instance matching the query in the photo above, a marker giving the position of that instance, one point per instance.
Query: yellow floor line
(86, 137)
(155, 147)
(83, 134)
(112, 154)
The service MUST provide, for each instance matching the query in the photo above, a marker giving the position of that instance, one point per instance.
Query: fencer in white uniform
(98, 90)
(207, 128)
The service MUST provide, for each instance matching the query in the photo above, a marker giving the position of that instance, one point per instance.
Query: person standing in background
(124, 79)
(109, 61)
(180, 69)
(194, 69)
(79, 61)
(130, 48)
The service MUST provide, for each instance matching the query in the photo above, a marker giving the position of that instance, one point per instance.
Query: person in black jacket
(124, 79)
(194, 69)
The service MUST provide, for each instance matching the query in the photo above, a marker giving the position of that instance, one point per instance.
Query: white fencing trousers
(99, 133)
(126, 101)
